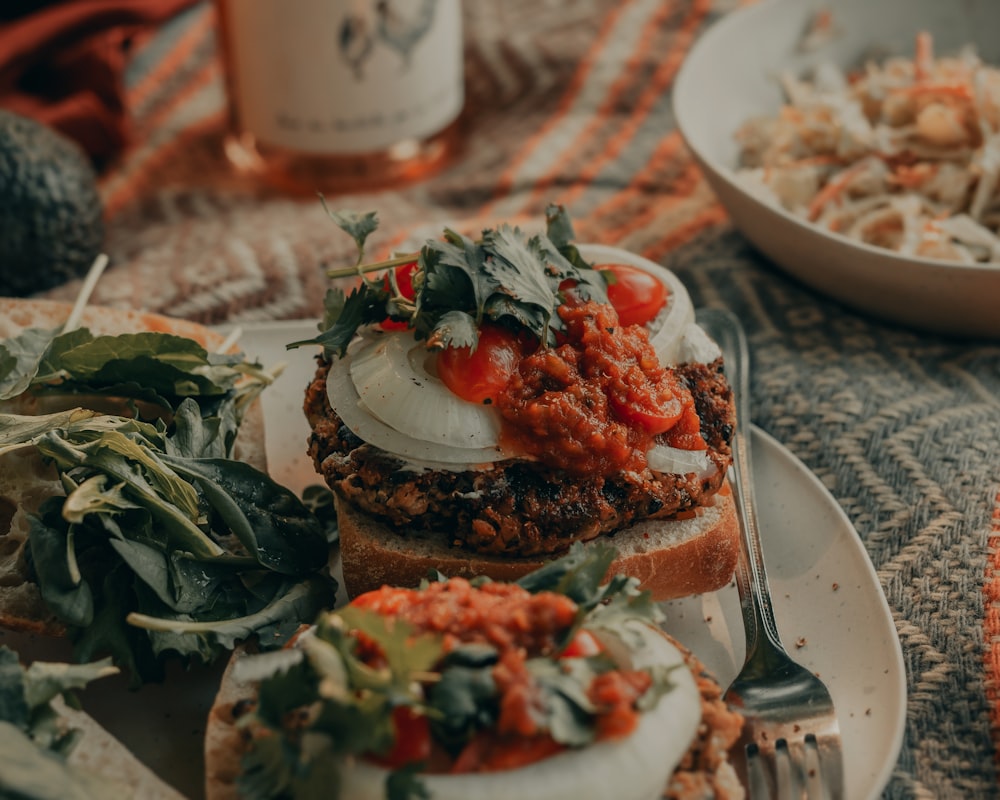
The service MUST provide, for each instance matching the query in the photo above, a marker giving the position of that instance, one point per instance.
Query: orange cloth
(62, 62)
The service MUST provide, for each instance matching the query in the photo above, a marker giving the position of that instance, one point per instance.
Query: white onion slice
(634, 768)
(346, 402)
(697, 347)
(389, 371)
(679, 313)
(675, 461)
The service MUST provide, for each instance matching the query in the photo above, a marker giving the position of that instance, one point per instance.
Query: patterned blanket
(901, 426)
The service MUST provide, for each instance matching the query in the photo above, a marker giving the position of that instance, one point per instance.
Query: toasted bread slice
(671, 558)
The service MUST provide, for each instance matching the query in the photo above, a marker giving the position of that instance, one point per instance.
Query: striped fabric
(569, 102)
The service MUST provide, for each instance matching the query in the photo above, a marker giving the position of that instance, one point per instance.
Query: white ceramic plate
(848, 633)
(730, 76)
(826, 593)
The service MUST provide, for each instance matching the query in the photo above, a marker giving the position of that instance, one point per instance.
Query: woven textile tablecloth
(570, 102)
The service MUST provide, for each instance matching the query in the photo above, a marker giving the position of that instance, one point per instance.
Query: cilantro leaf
(406, 653)
(455, 329)
(578, 574)
(559, 229)
(505, 275)
(467, 257)
(465, 696)
(358, 226)
(404, 784)
(517, 265)
(566, 710)
(363, 305)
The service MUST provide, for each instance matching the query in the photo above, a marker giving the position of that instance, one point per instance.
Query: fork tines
(792, 768)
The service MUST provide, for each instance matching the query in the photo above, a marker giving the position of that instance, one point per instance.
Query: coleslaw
(902, 154)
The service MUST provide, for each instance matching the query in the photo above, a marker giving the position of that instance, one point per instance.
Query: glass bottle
(341, 95)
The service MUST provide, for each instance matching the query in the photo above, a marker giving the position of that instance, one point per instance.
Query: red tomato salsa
(520, 625)
(595, 404)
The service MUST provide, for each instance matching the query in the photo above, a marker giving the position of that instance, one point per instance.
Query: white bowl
(730, 76)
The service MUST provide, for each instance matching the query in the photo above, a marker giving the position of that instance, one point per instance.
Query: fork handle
(751, 576)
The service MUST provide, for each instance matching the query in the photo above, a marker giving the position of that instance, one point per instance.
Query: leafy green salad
(162, 543)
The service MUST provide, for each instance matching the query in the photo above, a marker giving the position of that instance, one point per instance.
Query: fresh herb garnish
(163, 543)
(324, 703)
(505, 276)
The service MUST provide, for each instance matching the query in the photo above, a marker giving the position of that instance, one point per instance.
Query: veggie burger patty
(516, 507)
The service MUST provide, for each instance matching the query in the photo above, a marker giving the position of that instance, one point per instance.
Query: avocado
(51, 217)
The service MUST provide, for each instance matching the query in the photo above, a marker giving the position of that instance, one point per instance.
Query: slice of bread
(25, 481)
(102, 754)
(671, 558)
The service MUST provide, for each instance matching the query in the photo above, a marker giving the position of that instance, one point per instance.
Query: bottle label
(344, 76)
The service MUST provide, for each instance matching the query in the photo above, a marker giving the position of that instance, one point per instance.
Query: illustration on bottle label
(349, 76)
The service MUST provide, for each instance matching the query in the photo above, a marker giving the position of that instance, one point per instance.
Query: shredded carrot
(833, 189)
(961, 91)
(911, 177)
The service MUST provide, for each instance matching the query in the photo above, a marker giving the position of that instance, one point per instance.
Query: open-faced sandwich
(481, 405)
(51, 750)
(558, 686)
(135, 515)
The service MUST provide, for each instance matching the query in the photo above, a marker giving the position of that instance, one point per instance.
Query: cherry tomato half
(636, 295)
(480, 375)
(413, 739)
(404, 280)
(652, 407)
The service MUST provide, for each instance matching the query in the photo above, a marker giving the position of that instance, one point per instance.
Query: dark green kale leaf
(269, 520)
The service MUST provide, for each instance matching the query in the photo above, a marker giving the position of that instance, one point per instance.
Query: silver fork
(790, 745)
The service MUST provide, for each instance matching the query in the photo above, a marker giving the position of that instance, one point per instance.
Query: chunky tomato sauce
(596, 403)
(520, 625)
